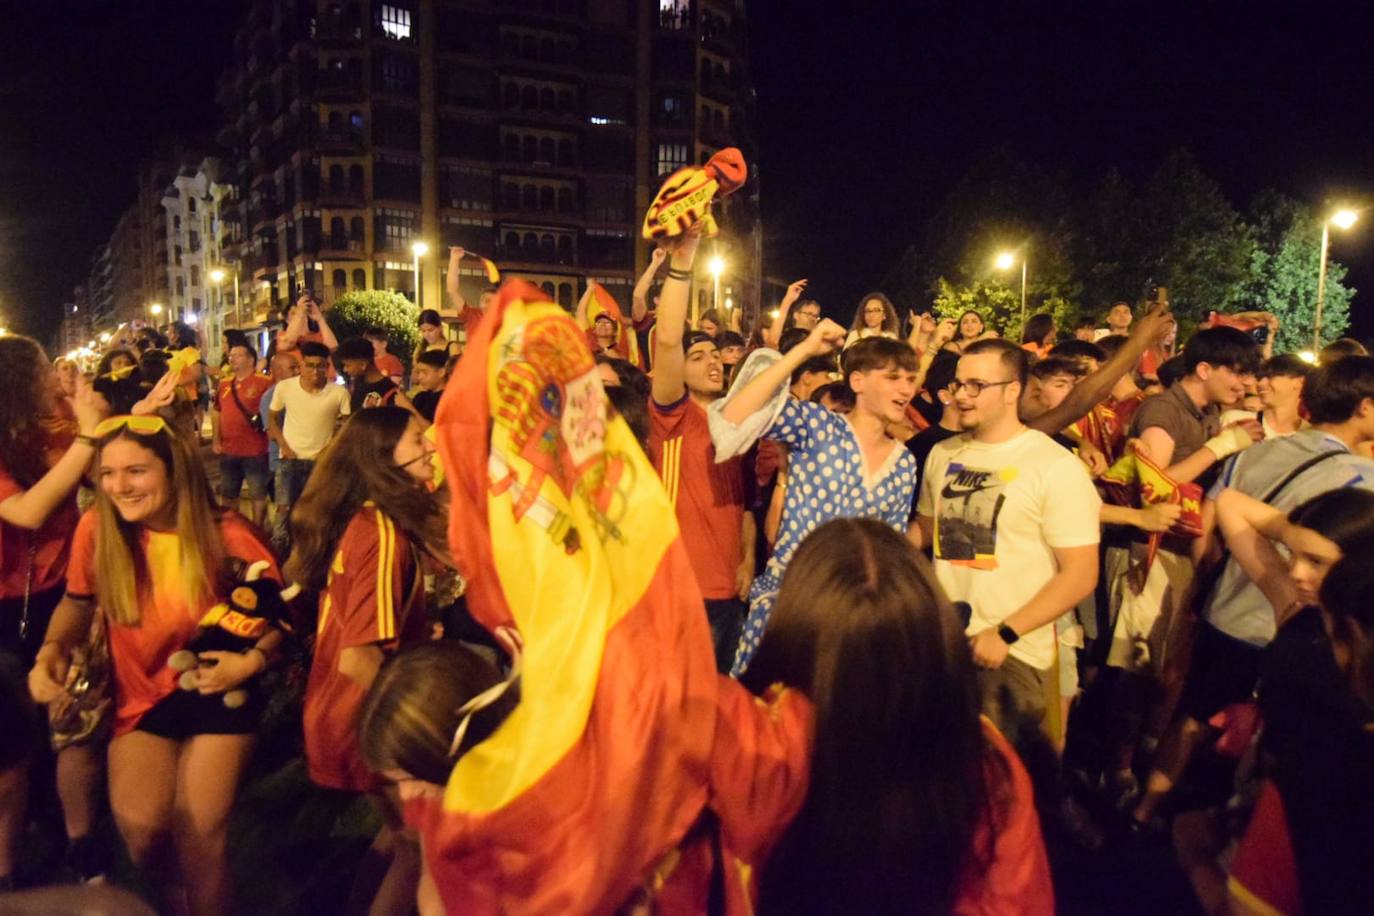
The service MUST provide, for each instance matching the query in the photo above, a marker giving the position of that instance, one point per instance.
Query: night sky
(867, 114)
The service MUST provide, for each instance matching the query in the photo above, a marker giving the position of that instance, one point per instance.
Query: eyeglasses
(809, 313)
(143, 425)
(975, 387)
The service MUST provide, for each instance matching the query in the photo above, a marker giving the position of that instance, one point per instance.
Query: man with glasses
(304, 413)
(1011, 518)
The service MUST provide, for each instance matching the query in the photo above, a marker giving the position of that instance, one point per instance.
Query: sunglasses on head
(143, 425)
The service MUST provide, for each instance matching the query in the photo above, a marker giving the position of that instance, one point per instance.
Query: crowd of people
(960, 591)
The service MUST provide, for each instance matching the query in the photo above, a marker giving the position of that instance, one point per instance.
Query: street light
(1005, 261)
(155, 310)
(419, 249)
(1342, 219)
(717, 267)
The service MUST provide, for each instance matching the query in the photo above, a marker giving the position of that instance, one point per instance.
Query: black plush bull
(236, 626)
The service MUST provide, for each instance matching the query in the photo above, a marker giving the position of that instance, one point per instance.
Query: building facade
(532, 133)
(200, 278)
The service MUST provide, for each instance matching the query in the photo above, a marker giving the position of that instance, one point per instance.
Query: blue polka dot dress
(825, 481)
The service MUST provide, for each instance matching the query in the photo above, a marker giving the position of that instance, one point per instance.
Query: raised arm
(326, 333)
(1094, 389)
(669, 360)
(455, 296)
(639, 299)
(295, 324)
(31, 508)
(774, 332)
(582, 304)
(1249, 526)
(825, 337)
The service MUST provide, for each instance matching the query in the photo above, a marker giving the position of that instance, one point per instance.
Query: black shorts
(22, 725)
(1223, 671)
(186, 713)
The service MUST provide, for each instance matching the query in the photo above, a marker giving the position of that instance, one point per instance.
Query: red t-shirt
(389, 365)
(371, 598)
(237, 437)
(709, 497)
(166, 624)
(50, 543)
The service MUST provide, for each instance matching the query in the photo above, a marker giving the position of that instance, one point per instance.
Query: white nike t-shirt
(1000, 510)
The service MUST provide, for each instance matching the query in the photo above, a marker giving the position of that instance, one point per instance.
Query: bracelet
(675, 274)
(85, 439)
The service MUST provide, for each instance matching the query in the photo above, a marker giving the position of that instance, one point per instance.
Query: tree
(354, 312)
(1001, 203)
(1193, 241)
(1283, 273)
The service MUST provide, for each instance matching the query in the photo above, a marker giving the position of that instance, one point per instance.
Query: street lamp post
(1004, 261)
(1343, 219)
(155, 310)
(717, 267)
(419, 249)
(216, 324)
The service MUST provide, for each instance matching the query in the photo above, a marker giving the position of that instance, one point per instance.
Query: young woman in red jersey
(41, 463)
(359, 529)
(154, 555)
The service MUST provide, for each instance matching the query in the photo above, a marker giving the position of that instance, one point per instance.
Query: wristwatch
(1008, 635)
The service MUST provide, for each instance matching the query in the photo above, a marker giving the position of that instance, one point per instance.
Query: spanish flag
(563, 532)
(488, 265)
(603, 303)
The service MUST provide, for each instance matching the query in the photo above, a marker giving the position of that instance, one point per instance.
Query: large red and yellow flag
(562, 530)
(603, 303)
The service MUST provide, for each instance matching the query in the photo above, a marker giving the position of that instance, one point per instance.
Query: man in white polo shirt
(1012, 521)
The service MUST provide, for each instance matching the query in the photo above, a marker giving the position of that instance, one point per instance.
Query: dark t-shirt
(372, 394)
(1174, 412)
(920, 445)
(426, 402)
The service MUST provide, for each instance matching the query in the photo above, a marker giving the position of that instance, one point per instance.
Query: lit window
(395, 21)
(671, 157)
(599, 121)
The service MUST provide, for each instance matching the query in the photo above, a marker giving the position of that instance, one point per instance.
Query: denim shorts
(235, 470)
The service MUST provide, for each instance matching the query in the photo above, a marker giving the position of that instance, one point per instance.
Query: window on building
(670, 158)
(191, 205)
(176, 222)
(195, 275)
(395, 21)
(398, 73)
(359, 279)
(356, 231)
(395, 228)
(340, 278)
(338, 238)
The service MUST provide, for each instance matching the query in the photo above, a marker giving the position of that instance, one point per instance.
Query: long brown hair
(355, 468)
(23, 368)
(123, 578)
(409, 717)
(890, 325)
(899, 766)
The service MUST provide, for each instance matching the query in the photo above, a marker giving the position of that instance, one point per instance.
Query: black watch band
(1007, 634)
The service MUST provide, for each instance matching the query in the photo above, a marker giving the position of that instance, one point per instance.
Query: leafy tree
(354, 312)
(1193, 241)
(1283, 273)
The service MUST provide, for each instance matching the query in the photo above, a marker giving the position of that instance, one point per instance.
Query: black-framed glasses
(975, 387)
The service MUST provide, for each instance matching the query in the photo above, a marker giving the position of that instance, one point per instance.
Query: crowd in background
(1094, 580)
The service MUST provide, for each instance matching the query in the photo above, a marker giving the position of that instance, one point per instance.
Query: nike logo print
(967, 482)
